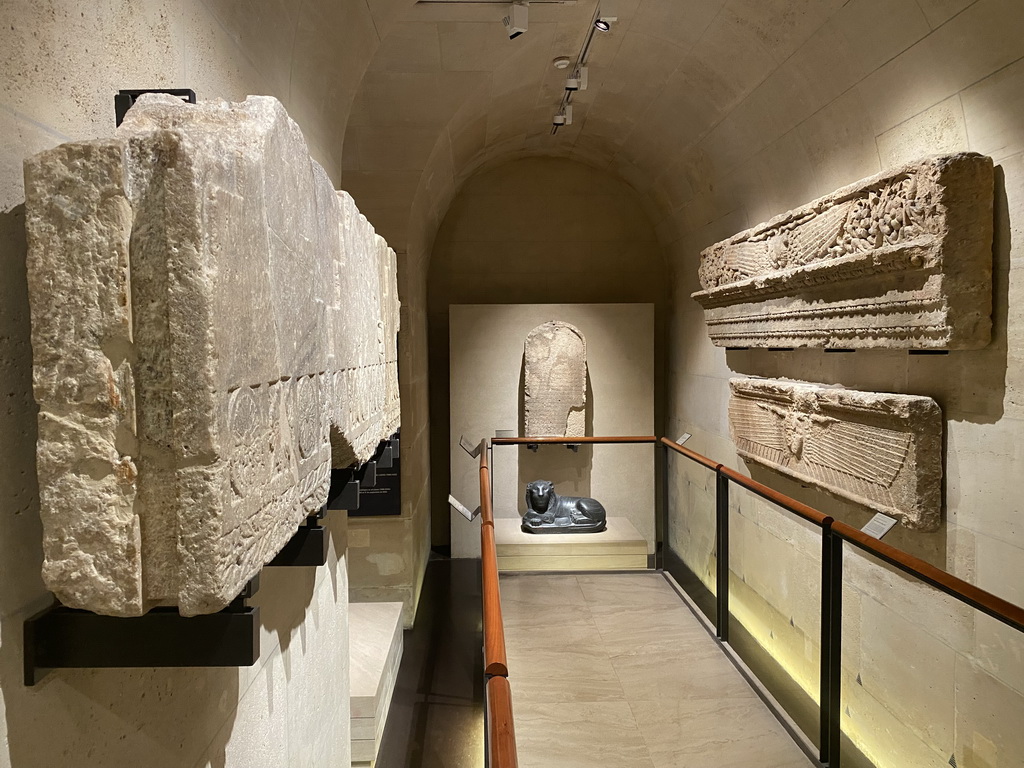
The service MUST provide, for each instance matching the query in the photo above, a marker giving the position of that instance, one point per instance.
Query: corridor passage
(614, 670)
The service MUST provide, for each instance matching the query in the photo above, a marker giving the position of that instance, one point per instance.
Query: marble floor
(614, 670)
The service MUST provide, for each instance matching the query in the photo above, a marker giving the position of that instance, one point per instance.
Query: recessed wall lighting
(602, 25)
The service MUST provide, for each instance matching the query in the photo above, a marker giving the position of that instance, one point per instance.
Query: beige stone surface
(619, 546)
(555, 381)
(881, 450)
(902, 259)
(375, 653)
(207, 319)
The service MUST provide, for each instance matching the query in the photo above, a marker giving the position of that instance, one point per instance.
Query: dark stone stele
(547, 512)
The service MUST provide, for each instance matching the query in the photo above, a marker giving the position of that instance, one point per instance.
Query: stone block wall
(62, 64)
(924, 679)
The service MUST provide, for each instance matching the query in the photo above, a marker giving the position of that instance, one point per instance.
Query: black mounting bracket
(308, 547)
(63, 638)
(123, 100)
(345, 483)
(574, 447)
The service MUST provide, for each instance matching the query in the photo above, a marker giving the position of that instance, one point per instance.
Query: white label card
(879, 525)
(470, 448)
(683, 438)
(462, 509)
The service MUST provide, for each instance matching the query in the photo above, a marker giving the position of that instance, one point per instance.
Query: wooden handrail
(809, 514)
(486, 512)
(495, 661)
(996, 607)
(992, 605)
(501, 743)
(693, 455)
(574, 440)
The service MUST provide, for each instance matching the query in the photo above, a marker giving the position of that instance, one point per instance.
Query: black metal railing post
(830, 683)
(661, 545)
(825, 673)
(722, 554)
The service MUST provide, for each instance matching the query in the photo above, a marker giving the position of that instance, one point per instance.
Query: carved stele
(880, 450)
(208, 319)
(903, 259)
(555, 393)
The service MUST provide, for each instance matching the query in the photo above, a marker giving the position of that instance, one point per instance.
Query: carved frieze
(880, 450)
(555, 381)
(209, 318)
(902, 259)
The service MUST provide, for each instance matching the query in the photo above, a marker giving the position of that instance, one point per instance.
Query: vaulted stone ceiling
(677, 88)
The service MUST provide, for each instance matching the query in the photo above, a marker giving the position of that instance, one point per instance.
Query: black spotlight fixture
(602, 25)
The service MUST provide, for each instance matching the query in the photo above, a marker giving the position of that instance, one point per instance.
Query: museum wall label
(209, 318)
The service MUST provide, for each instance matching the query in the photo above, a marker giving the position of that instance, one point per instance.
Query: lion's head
(539, 495)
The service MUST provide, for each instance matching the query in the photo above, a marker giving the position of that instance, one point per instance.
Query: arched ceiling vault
(681, 92)
(447, 93)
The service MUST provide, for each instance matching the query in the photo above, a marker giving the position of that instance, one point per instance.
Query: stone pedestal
(375, 653)
(618, 547)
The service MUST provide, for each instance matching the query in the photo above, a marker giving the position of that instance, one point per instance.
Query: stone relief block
(555, 381)
(209, 317)
(881, 450)
(902, 259)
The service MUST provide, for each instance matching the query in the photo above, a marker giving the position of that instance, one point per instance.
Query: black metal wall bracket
(64, 638)
(345, 483)
(308, 547)
(124, 99)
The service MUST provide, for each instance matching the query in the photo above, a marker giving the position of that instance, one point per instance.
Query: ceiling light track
(604, 15)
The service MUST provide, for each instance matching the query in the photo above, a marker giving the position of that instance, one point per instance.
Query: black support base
(345, 483)
(308, 547)
(60, 638)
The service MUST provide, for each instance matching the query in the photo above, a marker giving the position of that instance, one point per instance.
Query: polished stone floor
(614, 670)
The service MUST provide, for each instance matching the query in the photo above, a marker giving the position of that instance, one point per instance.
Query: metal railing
(833, 534)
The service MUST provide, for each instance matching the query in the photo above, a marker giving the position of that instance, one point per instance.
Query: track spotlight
(577, 81)
(518, 19)
(607, 12)
(564, 117)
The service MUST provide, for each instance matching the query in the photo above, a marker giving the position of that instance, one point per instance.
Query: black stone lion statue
(547, 512)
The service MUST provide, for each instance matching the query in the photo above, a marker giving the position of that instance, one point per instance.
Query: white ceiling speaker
(518, 19)
(561, 62)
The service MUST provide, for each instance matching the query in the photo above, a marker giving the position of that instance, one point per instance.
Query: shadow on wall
(968, 385)
(171, 718)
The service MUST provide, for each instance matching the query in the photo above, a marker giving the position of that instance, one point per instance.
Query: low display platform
(375, 652)
(618, 547)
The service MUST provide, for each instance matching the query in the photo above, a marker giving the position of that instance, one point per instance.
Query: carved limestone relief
(555, 381)
(880, 450)
(208, 317)
(902, 259)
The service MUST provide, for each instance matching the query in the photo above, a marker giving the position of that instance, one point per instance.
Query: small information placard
(468, 447)
(683, 438)
(879, 525)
